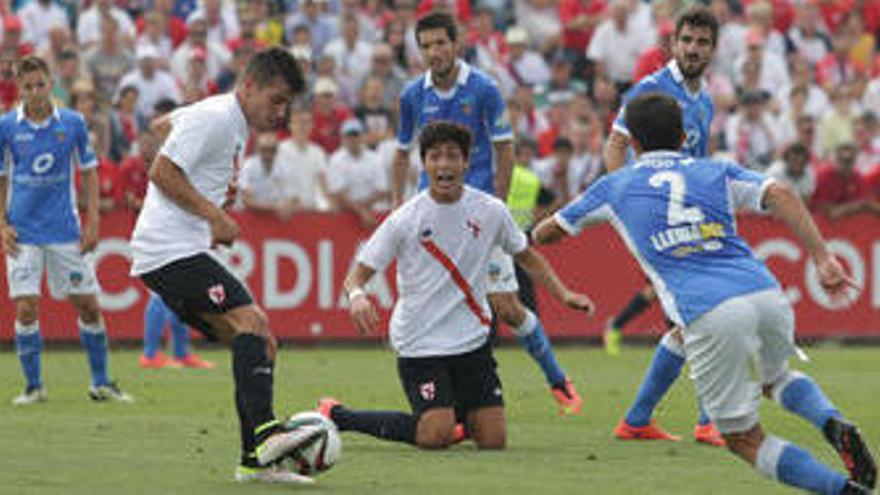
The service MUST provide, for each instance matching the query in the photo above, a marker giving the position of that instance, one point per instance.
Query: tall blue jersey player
(42, 146)
(677, 214)
(696, 32)
(454, 91)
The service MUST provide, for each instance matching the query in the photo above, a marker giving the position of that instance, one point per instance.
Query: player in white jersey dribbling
(677, 215)
(442, 240)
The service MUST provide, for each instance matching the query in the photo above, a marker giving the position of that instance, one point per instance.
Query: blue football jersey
(474, 102)
(38, 162)
(697, 108)
(677, 216)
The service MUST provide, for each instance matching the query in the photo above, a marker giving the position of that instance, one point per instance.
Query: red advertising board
(295, 270)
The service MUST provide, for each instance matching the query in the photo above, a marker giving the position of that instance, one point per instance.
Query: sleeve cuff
(402, 146)
(621, 129)
(507, 136)
(88, 165)
(763, 191)
(565, 225)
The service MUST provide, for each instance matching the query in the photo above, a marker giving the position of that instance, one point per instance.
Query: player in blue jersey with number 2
(454, 91)
(677, 215)
(696, 33)
(42, 147)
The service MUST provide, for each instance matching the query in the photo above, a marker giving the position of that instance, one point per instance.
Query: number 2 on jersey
(676, 213)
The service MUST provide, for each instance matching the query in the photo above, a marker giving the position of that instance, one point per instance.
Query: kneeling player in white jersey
(677, 215)
(442, 239)
(181, 222)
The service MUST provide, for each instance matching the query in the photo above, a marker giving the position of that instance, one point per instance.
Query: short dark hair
(698, 16)
(274, 62)
(562, 143)
(33, 63)
(437, 20)
(795, 149)
(441, 131)
(654, 121)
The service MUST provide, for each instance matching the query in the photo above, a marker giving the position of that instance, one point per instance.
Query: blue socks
(796, 467)
(94, 340)
(530, 334)
(154, 325)
(799, 394)
(664, 370)
(155, 316)
(704, 416)
(29, 345)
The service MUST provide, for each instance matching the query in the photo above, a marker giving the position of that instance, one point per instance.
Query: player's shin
(794, 466)
(386, 425)
(154, 324)
(29, 345)
(253, 371)
(530, 334)
(93, 337)
(798, 393)
(662, 373)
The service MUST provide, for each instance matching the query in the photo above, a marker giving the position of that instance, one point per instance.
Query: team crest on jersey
(424, 234)
(217, 294)
(474, 227)
(494, 272)
(467, 105)
(428, 391)
(76, 278)
(60, 134)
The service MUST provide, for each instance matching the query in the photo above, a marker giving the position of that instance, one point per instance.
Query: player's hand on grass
(9, 236)
(223, 230)
(366, 320)
(89, 239)
(833, 277)
(579, 301)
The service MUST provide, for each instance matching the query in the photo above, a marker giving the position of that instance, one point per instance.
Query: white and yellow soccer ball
(322, 453)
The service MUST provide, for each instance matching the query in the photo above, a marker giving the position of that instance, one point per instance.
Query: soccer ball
(319, 455)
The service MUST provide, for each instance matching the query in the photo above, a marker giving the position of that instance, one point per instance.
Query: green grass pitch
(180, 437)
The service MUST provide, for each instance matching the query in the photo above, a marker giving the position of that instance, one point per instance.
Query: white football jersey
(206, 141)
(442, 252)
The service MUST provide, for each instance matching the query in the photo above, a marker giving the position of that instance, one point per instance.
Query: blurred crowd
(796, 86)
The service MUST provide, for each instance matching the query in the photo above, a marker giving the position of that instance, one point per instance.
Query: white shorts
(69, 271)
(502, 276)
(734, 349)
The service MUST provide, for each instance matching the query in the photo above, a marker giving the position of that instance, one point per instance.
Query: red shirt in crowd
(176, 30)
(578, 39)
(833, 12)
(8, 94)
(872, 181)
(327, 127)
(834, 188)
(832, 71)
(133, 179)
(650, 61)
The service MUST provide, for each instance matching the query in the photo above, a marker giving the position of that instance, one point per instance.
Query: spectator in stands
(561, 66)
(352, 54)
(367, 28)
(836, 126)
(541, 21)
(88, 29)
(346, 92)
(311, 14)
(108, 61)
(586, 134)
(840, 189)
(37, 17)
(152, 83)
(12, 36)
(248, 33)
(218, 55)
(222, 20)
(197, 85)
(772, 70)
(559, 173)
(327, 115)
(133, 178)
(795, 170)
(84, 100)
(558, 119)
(617, 43)
(155, 32)
(308, 160)
(732, 31)
(60, 39)
(806, 38)
(655, 57)
(396, 37)
(749, 133)
(267, 180)
(229, 72)
(354, 177)
(377, 118)
(270, 30)
(490, 50)
(816, 102)
(807, 135)
(173, 27)
(124, 125)
(579, 19)
(8, 82)
(868, 142)
(872, 180)
(836, 68)
(68, 71)
(383, 67)
(604, 96)
(760, 20)
(524, 65)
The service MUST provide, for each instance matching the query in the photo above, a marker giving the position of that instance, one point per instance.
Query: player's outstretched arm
(173, 182)
(399, 171)
(614, 154)
(503, 168)
(8, 235)
(539, 268)
(93, 212)
(787, 205)
(361, 308)
(548, 232)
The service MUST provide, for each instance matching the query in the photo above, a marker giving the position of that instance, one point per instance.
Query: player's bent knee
(436, 429)
(745, 443)
(488, 427)
(27, 310)
(248, 319)
(507, 308)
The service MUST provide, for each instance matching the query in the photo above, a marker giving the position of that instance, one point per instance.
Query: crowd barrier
(295, 271)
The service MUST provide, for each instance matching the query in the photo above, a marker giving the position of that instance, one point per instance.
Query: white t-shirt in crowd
(273, 186)
(37, 19)
(88, 27)
(206, 141)
(357, 179)
(618, 50)
(150, 91)
(431, 317)
(805, 185)
(307, 162)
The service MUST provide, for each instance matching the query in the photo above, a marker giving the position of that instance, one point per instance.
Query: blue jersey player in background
(696, 32)
(452, 90)
(677, 215)
(42, 148)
